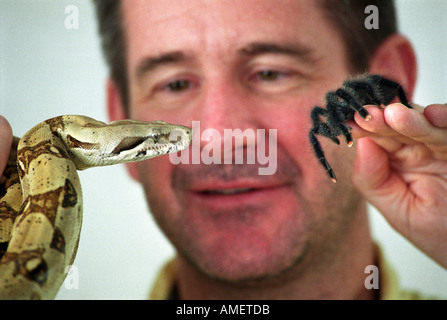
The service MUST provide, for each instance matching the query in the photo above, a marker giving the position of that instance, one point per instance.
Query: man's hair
(347, 16)
(113, 42)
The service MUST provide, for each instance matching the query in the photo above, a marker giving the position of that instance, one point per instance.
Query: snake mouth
(128, 143)
(154, 144)
(160, 139)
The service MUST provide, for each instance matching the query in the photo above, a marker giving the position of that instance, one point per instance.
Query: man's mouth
(227, 191)
(220, 197)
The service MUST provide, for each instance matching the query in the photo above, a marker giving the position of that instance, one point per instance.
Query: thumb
(374, 178)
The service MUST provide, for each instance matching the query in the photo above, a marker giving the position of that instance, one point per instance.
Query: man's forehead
(260, 12)
(165, 24)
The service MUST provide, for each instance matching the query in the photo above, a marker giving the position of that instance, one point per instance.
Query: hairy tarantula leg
(364, 87)
(347, 133)
(320, 127)
(352, 102)
(320, 155)
(400, 91)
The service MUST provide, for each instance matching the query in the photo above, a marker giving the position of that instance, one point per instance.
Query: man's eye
(177, 86)
(269, 75)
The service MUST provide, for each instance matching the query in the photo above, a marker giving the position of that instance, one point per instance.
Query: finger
(378, 126)
(391, 145)
(357, 131)
(417, 107)
(387, 143)
(5, 142)
(414, 125)
(371, 164)
(436, 114)
(374, 178)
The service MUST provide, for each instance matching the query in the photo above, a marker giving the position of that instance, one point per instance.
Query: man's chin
(245, 262)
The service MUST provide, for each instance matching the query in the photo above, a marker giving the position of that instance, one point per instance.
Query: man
(264, 65)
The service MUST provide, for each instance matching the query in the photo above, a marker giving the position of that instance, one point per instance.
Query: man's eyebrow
(295, 50)
(150, 63)
(257, 48)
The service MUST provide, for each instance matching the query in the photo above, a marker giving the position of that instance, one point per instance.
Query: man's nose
(223, 106)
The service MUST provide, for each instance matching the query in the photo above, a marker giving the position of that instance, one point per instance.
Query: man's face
(249, 65)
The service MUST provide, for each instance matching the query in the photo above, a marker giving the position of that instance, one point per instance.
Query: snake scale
(41, 198)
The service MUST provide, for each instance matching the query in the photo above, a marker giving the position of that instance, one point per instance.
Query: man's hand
(401, 169)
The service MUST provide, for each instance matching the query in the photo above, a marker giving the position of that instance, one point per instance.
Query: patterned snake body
(41, 198)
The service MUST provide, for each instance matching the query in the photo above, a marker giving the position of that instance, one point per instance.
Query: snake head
(126, 141)
(162, 138)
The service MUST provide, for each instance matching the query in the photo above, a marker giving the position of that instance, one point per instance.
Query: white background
(48, 70)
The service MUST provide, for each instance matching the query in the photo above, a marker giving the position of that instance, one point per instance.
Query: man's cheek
(152, 173)
(132, 169)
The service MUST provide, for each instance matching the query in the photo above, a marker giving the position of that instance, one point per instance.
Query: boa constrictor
(40, 193)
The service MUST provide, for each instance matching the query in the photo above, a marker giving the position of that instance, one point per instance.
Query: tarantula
(342, 105)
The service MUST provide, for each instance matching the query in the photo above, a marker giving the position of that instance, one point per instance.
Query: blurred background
(47, 69)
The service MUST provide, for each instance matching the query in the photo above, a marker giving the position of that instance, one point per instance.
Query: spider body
(342, 104)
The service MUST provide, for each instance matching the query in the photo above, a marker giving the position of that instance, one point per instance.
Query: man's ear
(396, 59)
(115, 110)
